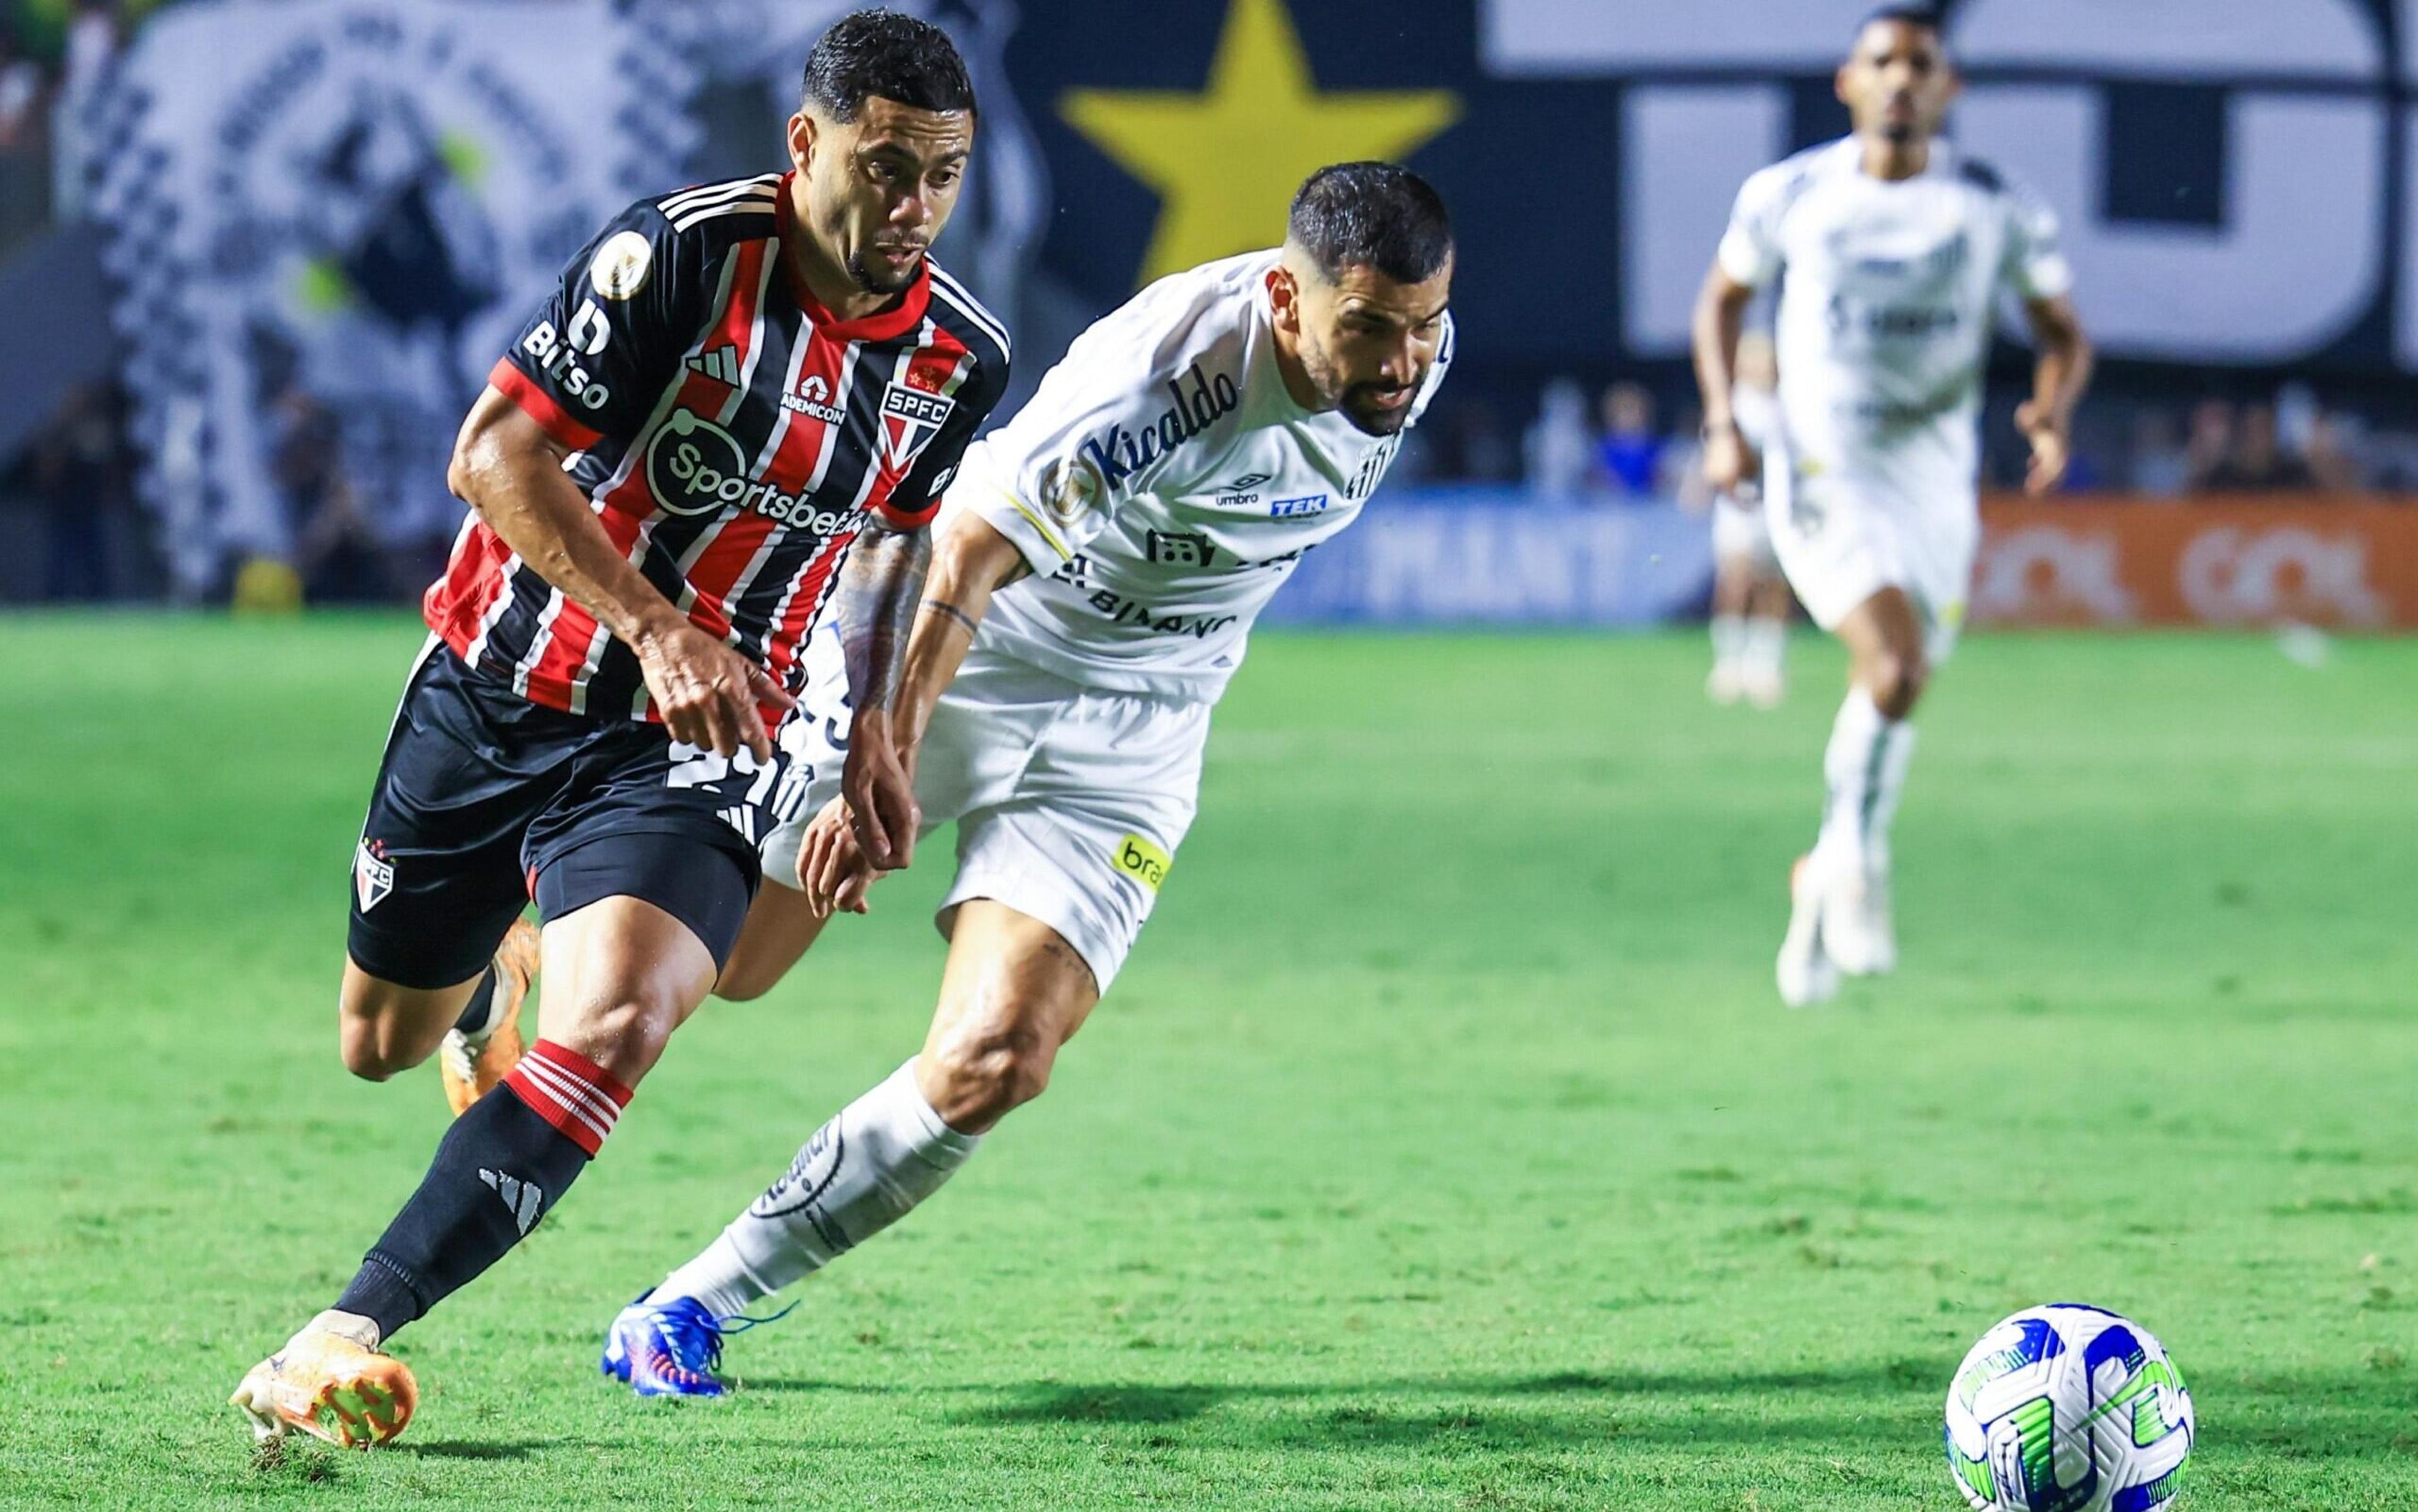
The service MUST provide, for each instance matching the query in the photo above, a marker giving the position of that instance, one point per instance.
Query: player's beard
(1369, 420)
(875, 280)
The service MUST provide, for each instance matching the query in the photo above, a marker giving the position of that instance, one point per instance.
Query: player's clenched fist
(707, 692)
(1728, 460)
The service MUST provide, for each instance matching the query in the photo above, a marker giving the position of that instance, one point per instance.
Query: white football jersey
(1887, 294)
(1162, 484)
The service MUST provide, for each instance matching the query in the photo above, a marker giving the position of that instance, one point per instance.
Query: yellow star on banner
(1225, 162)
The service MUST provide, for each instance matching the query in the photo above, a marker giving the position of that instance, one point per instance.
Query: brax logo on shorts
(1141, 861)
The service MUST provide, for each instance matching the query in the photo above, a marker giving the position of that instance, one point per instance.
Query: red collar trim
(881, 325)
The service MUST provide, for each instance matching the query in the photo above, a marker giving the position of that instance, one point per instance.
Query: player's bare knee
(1895, 679)
(366, 1042)
(628, 1028)
(990, 1071)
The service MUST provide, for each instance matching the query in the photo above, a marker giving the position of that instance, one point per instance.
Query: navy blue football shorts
(485, 802)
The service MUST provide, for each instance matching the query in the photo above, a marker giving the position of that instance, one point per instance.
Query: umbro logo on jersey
(721, 364)
(910, 419)
(1248, 482)
(814, 398)
(522, 1200)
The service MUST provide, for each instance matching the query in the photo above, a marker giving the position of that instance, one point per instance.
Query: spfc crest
(910, 419)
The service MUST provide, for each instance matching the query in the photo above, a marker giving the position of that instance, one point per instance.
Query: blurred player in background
(733, 384)
(1894, 248)
(1099, 566)
(1750, 598)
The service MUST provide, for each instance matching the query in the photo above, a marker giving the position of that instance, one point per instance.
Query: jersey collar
(881, 325)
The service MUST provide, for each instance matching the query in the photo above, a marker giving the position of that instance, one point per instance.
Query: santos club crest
(910, 419)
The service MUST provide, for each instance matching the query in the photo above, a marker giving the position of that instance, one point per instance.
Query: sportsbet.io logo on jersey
(695, 467)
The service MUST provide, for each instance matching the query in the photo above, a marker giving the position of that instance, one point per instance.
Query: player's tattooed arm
(506, 467)
(880, 585)
(970, 561)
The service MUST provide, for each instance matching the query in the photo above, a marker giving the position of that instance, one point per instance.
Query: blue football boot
(665, 1349)
(672, 1349)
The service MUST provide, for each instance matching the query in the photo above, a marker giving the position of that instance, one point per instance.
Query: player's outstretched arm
(1720, 317)
(2060, 375)
(970, 560)
(878, 587)
(509, 469)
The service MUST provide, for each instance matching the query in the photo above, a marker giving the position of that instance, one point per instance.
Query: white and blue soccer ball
(2068, 1409)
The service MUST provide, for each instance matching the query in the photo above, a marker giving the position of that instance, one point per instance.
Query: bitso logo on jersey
(695, 467)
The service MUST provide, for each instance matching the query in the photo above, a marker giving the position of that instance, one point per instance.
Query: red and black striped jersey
(730, 434)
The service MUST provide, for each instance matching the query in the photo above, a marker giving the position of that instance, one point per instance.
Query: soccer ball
(2068, 1409)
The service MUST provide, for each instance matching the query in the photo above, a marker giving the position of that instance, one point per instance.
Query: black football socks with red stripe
(498, 1170)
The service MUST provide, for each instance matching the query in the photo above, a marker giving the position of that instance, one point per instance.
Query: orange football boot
(471, 1067)
(330, 1387)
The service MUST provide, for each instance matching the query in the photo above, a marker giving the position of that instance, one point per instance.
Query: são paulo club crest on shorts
(373, 874)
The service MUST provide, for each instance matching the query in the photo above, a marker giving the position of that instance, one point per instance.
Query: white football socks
(1864, 767)
(1729, 640)
(1763, 647)
(861, 1172)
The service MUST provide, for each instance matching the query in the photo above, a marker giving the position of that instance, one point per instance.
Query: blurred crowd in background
(71, 528)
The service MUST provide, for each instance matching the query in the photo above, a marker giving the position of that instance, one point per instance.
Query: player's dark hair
(1374, 215)
(899, 57)
(1931, 18)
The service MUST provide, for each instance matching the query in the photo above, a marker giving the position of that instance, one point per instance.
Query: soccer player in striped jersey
(666, 474)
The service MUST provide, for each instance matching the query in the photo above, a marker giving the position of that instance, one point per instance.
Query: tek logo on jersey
(373, 874)
(1118, 453)
(558, 354)
(1286, 509)
(910, 419)
(814, 398)
(695, 467)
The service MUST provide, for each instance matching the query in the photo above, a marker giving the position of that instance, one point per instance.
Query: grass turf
(1443, 1146)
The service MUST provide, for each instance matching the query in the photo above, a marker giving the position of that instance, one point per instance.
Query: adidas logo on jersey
(721, 364)
(522, 1200)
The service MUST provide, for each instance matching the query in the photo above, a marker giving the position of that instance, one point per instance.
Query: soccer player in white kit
(1751, 597)
(1097, 566)
(1894, 248)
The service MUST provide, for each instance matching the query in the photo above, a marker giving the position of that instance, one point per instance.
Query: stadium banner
(2188, 146)
(2344, 563)
(1484, 557)
(356, 203)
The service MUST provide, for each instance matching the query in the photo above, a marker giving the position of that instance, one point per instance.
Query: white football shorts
(1069, 801)
(1741, 533)
(1843, 536)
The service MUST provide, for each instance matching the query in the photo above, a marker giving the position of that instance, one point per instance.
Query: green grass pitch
(1445, 1145)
